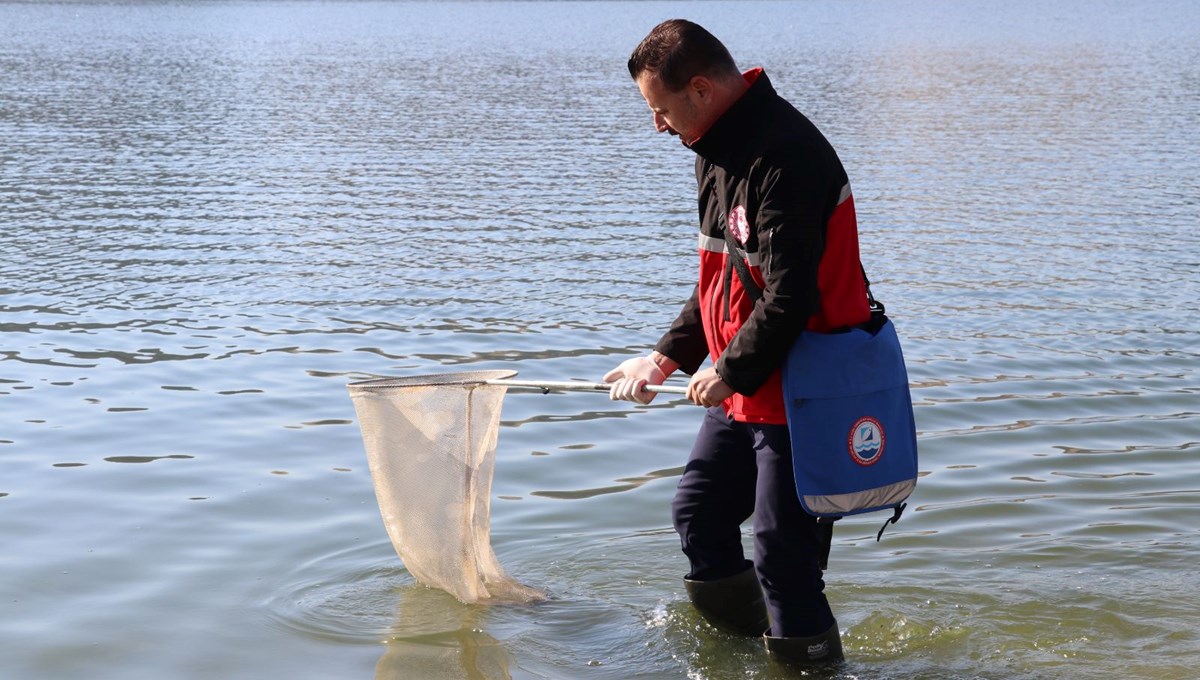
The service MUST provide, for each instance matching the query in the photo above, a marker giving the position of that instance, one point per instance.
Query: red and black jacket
(766, 174)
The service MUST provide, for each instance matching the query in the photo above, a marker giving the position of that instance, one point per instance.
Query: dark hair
(678, 50)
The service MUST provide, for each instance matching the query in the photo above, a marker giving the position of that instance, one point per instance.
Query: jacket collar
(726, 137)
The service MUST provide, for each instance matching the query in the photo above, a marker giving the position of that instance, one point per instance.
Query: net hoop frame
(464, 378)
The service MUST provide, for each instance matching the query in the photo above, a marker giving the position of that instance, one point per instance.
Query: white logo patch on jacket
(738, 225)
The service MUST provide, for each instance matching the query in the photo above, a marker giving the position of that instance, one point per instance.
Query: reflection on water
(429, 634)
(425, 644)
(214, 215)
(626, 484)
(463, 654)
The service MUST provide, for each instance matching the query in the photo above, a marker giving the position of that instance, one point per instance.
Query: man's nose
(660, 123)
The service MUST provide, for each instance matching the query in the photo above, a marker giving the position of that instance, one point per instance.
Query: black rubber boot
(819, 649)
(733, 604)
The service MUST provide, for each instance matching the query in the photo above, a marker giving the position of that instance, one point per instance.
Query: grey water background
(213, 215)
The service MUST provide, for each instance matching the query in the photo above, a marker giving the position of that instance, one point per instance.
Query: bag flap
(825, 365)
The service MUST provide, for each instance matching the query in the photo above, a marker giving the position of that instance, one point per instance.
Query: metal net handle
(497, 378)
(569, 386)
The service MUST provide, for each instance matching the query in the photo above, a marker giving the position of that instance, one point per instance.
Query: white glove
(631, 377)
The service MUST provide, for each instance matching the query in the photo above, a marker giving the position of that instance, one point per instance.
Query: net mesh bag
(430, 443)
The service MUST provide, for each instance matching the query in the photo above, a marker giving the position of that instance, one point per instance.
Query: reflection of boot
(733, 604)
(823, 648)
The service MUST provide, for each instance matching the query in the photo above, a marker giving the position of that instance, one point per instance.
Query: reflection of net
(431, 443)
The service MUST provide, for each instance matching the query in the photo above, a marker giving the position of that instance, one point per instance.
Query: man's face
(679, 113)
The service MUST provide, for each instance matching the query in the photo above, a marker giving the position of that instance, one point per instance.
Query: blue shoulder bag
(850, 417)
(849, 413)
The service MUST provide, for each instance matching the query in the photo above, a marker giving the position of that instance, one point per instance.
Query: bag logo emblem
(866, 441)
(739, 226)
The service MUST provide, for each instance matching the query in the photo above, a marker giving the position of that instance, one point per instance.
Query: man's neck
(730, 93)
(726, 93)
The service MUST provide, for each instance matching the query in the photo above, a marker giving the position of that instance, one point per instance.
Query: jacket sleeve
(795, 200)
(684, 342)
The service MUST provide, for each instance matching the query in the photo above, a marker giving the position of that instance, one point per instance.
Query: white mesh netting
(430, 443)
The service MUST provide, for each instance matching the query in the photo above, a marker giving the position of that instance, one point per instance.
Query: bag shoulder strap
(877, 308)
(756, 292)
(743, 271)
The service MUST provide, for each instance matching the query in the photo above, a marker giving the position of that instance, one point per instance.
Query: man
(773, 194)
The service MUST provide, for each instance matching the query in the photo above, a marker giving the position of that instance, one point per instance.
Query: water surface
(214, 215)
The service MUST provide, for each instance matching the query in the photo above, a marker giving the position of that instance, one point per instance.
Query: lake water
(213, 215)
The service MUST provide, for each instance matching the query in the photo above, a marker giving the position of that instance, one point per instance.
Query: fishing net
(430, 443)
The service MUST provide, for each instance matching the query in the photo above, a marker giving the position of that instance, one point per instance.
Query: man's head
(686, 76)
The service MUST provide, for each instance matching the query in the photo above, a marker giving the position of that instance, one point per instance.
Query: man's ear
(702, 87)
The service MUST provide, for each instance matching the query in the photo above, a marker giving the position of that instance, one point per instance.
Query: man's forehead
(652, 87)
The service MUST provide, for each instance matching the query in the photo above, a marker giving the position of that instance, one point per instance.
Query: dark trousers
(741, 469)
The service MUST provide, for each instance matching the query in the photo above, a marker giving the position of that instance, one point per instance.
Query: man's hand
(708, 389)
(631, 377)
